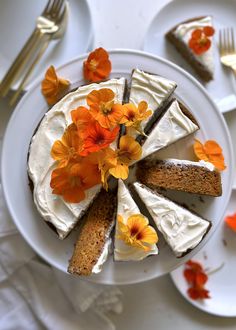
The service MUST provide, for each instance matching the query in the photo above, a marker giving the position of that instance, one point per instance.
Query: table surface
(155, 304)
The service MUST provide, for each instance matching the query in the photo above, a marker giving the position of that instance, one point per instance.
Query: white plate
(15, 181)
(14, 14)
(223, 13)
(219, 252)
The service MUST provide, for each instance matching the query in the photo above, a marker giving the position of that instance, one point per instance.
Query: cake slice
(60, 215)
(92, 246)
(126, 208)
(192, 177)
(153, 89)
(176, 123)
(180, 36)
(182, 229)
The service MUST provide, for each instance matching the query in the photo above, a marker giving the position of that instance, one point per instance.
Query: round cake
(93, 161)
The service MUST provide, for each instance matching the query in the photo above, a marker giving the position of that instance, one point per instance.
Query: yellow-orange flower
(71, 181)
(117, 162)
(107, 158)
(133, 116)
(97, 66)
(68, 148)
(103, 108)
(52, 86)
(210, 152)
(136, 232)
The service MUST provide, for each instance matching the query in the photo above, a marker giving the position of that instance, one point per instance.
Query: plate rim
(35, 85)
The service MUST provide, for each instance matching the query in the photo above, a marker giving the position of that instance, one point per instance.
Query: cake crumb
(205, 255)
(224, 242)
(201, 199)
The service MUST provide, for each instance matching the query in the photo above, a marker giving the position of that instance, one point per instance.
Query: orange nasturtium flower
(82, 118)
(133, 116)
(103, 108)
(210, 152)
(68, 147)
(230, 220)
(196, 278)
(52, 86)
(116, 162)
(200, 42)
(136, 232)
(96, 138)
(71, 181)
(97, 67)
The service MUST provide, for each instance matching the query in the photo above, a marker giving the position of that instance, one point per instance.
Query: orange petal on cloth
(68, 147)
(52, 86)
(97, 67)
(210, 152)
(230, 220)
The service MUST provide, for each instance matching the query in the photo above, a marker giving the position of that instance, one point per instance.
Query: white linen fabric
(33, 295)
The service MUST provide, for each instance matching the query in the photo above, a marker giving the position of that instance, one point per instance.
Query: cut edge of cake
(92, 246)
(175, 174)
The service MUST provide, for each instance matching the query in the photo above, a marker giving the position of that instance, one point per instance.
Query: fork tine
(232, 40)
(229, 41)
(220, 43)
(47, 8)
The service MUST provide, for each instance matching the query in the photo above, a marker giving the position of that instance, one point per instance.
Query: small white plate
(175, 12)
(219, 252)
(17, 21)
(25, 119)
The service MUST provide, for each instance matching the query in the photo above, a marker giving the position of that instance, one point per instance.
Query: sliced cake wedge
(176, 123)
(92, 246)
(193, 177)
(155, 90)
(182, 229)
(193, 40)
(131, 227)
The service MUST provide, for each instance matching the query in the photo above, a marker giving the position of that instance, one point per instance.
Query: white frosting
(173, 126)
(153, 89)
(184, 32)
(201, 163)
(127, 207)
(103, 257)
(181, 229)
(53, 208)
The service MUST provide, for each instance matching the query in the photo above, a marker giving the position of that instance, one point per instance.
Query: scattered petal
(97, 67)
(53, 86)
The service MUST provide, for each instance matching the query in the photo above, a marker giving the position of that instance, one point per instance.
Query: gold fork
(44, 22)
(50, 31)
(227, 48)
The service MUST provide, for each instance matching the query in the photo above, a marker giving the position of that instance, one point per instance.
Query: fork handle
(41, 51)
(19, 62)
